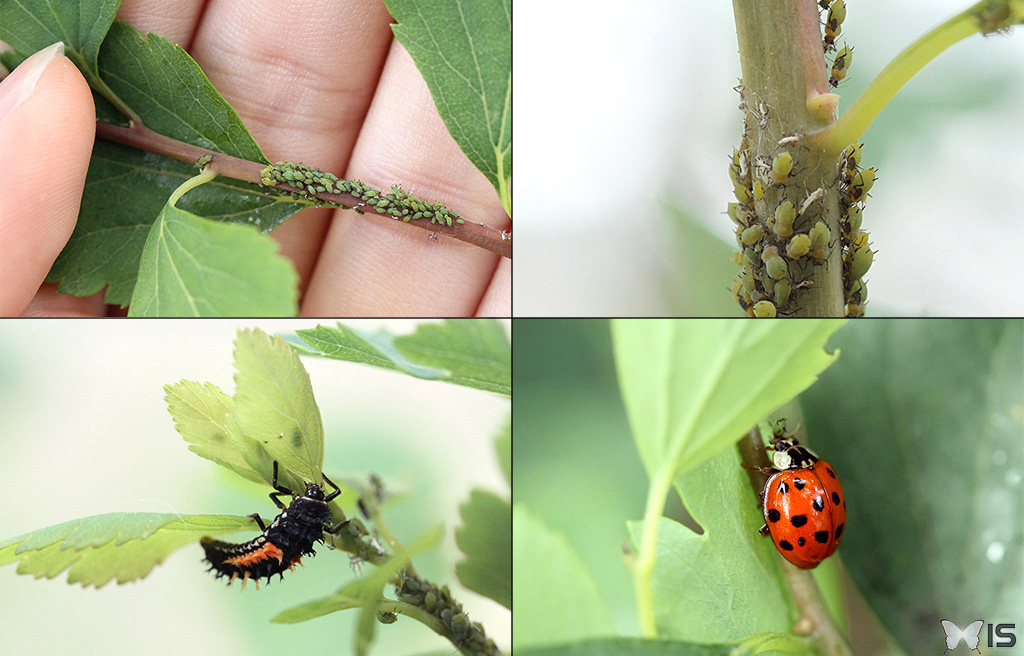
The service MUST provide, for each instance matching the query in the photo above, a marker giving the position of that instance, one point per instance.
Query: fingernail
(18, 86)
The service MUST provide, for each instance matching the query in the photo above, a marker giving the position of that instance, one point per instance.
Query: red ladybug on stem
(804, 506)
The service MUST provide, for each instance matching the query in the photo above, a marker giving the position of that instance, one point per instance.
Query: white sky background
(624, 106)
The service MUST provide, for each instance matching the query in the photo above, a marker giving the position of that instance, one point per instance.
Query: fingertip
(47, 129)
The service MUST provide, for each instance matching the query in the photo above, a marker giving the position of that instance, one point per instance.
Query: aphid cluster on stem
(306, 183)
(775, 246)
(854, 184)
(438, 601)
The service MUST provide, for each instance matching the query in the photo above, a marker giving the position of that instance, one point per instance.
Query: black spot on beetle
(821, 537)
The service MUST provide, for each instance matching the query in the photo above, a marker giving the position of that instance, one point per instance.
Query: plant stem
(643, 566)
(139, 136)
(855, 121)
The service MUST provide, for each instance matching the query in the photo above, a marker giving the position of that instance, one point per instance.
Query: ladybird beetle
(803, 503)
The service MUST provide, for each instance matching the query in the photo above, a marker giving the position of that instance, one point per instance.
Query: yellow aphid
(833, 23)
(758, 190)
(854, 219)
(765, 309)
(781, 167)
(850, 161)
(742, 193)
(739, 214)
(839, 66)
(798, 246)
(862, 181)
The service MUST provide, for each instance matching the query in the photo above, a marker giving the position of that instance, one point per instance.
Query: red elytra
(804, 506)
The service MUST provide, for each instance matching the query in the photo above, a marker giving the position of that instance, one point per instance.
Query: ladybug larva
(803, 504)
(283, 544)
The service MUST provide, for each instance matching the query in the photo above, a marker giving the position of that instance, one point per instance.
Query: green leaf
(557, 598)
(471, 352)
(464, 51)
(200, 415)
(726, 583)
(125, 546)
(126, 188)
(692, 388)
(925, 423)
(627, 647)
(485, 537)
(274, 410)
(31, 25)
(196, 267)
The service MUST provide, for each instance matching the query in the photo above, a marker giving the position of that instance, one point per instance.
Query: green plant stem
(139, 136)
(893, 77)
(643, 566)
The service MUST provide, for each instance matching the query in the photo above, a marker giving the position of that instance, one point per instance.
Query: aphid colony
(780, 224)
(854, 183)
(307, 182)
(833, 28)
(776, 253)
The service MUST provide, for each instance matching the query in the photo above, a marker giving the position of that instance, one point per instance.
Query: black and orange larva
(282, 544)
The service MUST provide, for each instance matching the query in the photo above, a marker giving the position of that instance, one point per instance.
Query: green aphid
(820, 237)
(777, 267)
(798, 246)
(862, 259)
(785, 214)
(781, 167)
(783, 288)
(752, 235)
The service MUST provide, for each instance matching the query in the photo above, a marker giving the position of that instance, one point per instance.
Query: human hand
(316, 83)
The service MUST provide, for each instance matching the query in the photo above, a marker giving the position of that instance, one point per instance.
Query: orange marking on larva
(266, 552)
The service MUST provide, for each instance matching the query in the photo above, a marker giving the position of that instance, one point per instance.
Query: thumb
(47, 128)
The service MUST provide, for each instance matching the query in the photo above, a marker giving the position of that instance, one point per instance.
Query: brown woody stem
(139, 136)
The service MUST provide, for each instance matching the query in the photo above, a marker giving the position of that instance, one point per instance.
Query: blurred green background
(85, 431)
